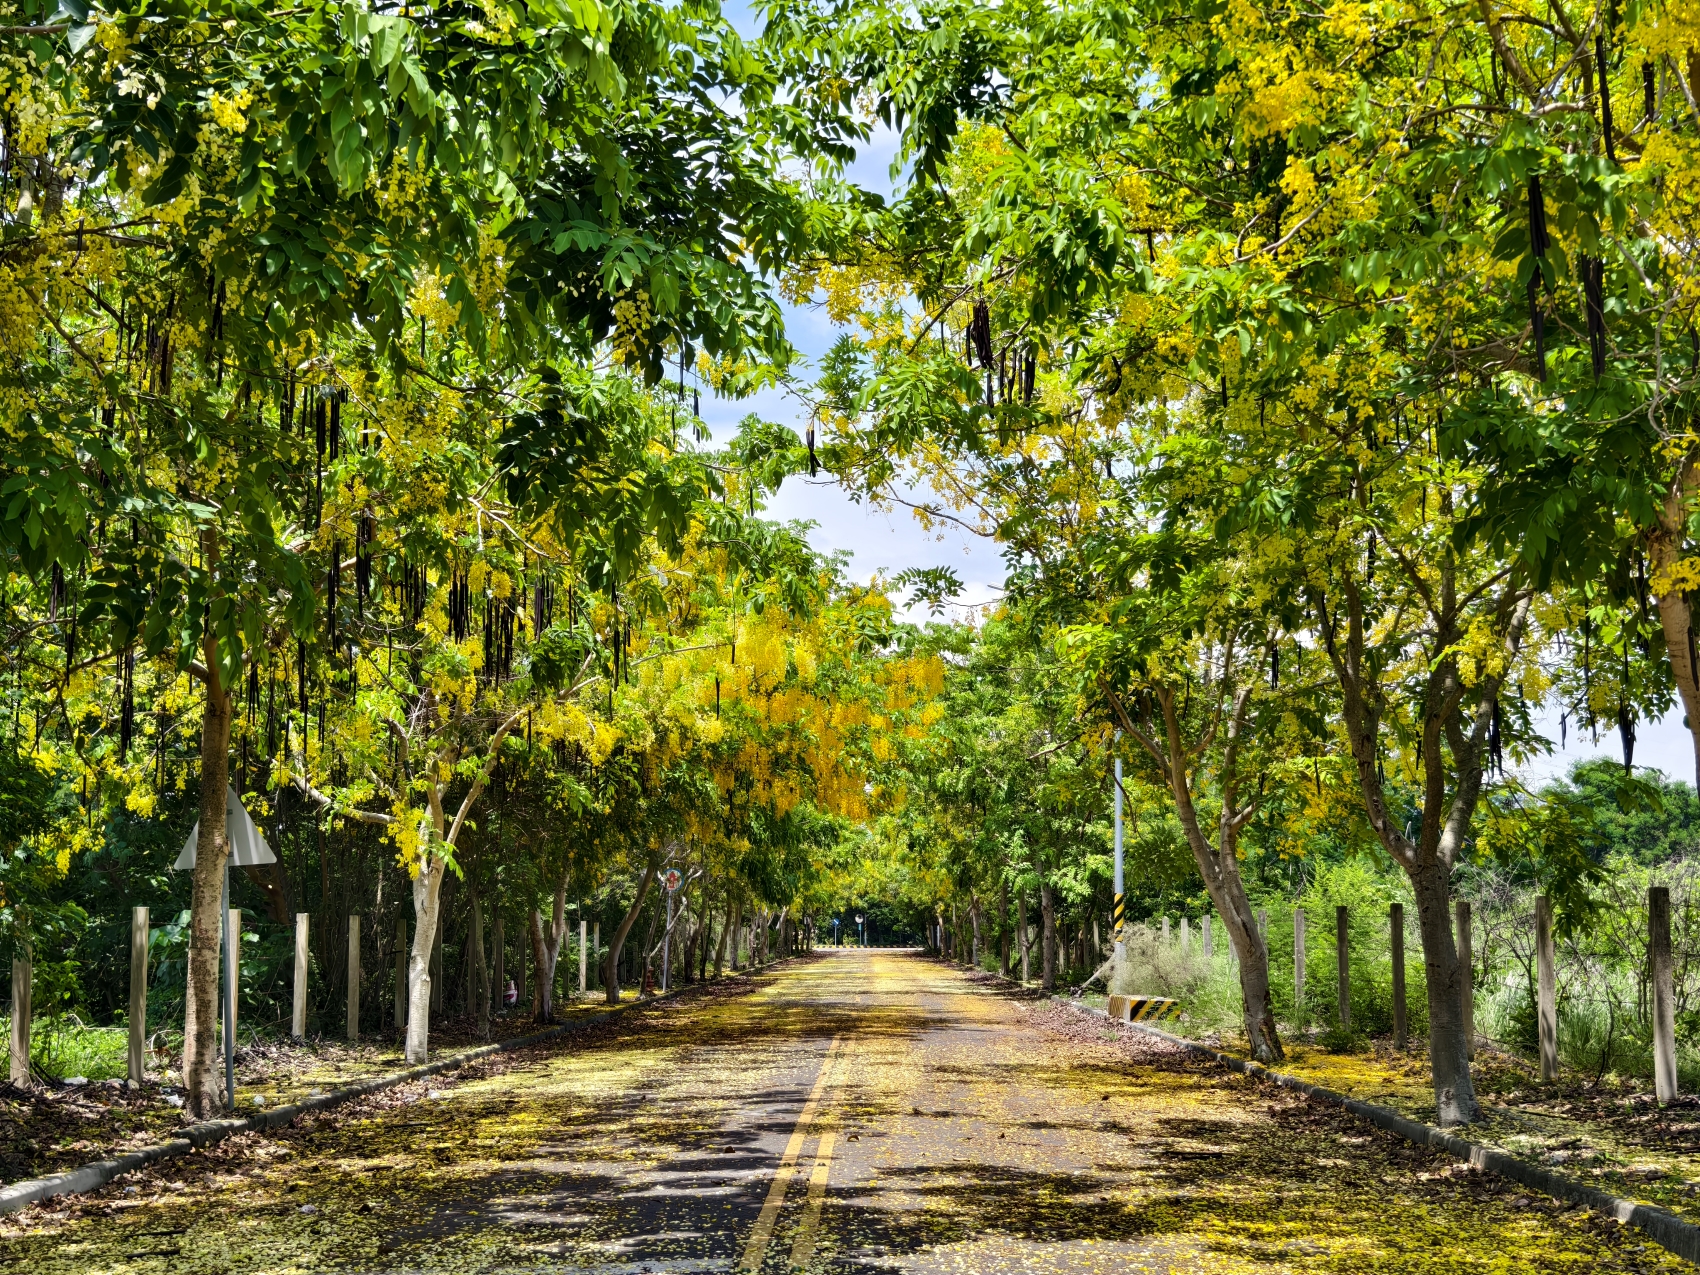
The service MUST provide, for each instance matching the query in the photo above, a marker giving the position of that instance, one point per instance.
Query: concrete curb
(1664, 1228)
(90, 1177)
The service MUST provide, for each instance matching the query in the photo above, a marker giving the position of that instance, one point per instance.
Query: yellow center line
(756, 1250)
(804, 1248)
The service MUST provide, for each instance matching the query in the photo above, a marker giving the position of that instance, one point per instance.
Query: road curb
(90, 1177)
(1664, 1228)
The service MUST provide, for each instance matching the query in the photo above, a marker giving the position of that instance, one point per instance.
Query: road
(854, 1111)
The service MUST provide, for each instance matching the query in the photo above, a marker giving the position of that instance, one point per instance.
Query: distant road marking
(756, 1250)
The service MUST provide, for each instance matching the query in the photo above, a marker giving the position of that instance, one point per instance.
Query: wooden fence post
(21, 1011)
(1466, 974)
(1547, 979)
(1664, 993)
(1298, 960)
(1343, 965)
(1396, 935)
(138, 993)
(298, 1010)
(354, 977)
(401, 964)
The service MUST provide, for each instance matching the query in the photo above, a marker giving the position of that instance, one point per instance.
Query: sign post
(247, 849)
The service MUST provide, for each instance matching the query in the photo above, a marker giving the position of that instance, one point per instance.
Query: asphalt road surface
(851, 1111)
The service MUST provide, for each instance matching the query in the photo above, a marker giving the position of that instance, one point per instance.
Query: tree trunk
(1048, 937)
(200, 1009)
(1003, 928)
(727, 923)
(617, 941)
(1448, 1042)
(546, 947)
(427, 900)
(974, 920)
(480, 973)
(737, 927)
(1665, 550)
(1022, 935)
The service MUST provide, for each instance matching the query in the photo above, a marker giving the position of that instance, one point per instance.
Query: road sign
(670, 880)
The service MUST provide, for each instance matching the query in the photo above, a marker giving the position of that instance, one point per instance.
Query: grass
(68, 1048)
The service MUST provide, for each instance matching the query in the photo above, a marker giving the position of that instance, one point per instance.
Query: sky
(879, 541)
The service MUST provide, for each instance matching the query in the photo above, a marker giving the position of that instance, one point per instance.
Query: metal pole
(229, 998)
(1343, 965)
(1120, 903)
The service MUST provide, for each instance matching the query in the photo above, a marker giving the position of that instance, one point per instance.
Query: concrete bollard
(583, 956)
(1466, 974)
(1546, 975)
(137, 1069)
(298, 1010)
(21, 1011)
(1396, 940)
(1263, 924)
(1165, 931)
(1343, 965)
(354, 977)
(1186, 936)
(1664, 993)
(401, 973)
(1299, 959)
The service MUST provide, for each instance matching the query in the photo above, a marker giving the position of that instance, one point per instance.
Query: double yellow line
(755, 1252)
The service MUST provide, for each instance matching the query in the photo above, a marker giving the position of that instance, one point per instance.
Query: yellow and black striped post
(1119, 917)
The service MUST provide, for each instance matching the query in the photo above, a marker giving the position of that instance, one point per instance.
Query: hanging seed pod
(336, 425)
(1649, 93)
(1538, 240)
(365, 531)
(55, 593)
(980, 333)
(1606, 128)
(1594, 302)
(333, 576)
(126, 703)
(814, 465)
(489, 641)
(301, 677)
(1538, 245)
(1537, 322)
(1029, 373)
